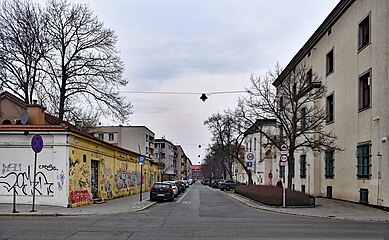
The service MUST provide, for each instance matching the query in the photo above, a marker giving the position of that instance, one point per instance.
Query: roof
(331, 19)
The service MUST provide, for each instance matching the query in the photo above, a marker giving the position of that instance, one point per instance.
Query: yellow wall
(118, 171)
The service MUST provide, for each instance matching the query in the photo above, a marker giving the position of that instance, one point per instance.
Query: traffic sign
(250, 156)
(284, 147)
(37, 143)
(249, 164)
(142, 160)
(284, 158)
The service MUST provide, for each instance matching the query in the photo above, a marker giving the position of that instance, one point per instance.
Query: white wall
(17, 169)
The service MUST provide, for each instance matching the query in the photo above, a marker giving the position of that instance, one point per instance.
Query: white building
(349, 52)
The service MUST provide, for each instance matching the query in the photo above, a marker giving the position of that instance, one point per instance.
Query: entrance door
(95, 178)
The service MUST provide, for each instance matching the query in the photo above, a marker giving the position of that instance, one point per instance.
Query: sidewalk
(325, 208)
(118, 205)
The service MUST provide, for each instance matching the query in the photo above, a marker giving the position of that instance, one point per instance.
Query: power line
(184, 93)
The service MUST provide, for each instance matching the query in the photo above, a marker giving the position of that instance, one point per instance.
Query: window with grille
(363, 161)
(329, 164)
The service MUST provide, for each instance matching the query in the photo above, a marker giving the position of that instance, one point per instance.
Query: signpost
(142, 160)
(37, 146)
(283, 162)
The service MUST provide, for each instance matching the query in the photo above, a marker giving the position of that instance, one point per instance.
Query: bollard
(14, 202)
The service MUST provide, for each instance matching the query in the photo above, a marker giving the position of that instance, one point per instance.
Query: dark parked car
(228, 185)
(161, 191)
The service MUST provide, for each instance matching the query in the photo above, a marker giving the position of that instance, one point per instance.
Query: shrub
(272, 195)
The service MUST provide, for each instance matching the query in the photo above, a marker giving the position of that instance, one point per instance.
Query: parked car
(215, 184)
(175, 188)
(162, 191)
(228, 185)
(205, 181)
(181, 186)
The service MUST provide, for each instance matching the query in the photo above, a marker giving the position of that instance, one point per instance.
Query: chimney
(36, 113)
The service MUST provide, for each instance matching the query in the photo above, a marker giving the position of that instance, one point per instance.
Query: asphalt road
(200, 213)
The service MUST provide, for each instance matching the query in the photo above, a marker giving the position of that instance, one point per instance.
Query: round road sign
(284, 147)
(284, 158)
(250, 156)
(37, 143)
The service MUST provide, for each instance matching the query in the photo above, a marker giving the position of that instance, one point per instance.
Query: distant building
(196, 172)
(138, 139)
(185, 166)
(167, 154)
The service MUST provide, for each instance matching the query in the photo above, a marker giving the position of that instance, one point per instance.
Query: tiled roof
(33, 127)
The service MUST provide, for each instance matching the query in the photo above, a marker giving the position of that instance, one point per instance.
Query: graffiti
(23, 183)
(62, 177)
(12, 167)
(80, 196)
(108, 189)
(79, 175)
(49, 167)
(126, 179)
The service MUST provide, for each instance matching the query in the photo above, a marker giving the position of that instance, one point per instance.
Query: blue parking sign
(142, 160)
(249, 164)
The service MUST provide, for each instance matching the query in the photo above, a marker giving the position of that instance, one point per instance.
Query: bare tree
(228, 133)
(22, 48)
(84, 65)
(295, 101)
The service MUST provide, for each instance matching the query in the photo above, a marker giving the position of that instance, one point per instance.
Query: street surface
(200, 213)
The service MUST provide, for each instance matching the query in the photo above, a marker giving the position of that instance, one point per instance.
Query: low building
(73, 167)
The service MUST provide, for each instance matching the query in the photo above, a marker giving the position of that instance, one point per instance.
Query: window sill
(363, 47)
(330, 122)
(363, 109)
(329, 73)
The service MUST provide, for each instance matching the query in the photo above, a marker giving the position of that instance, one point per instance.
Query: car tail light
(153, 189)
(170, 190)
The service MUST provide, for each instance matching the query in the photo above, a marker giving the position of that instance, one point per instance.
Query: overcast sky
(196, 46)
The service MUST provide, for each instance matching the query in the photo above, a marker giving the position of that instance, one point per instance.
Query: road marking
(179, 200)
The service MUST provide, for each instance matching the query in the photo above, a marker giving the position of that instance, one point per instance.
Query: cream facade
(349, 52)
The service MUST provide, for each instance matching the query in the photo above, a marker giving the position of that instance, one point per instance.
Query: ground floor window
(364, 195)
(329, 191)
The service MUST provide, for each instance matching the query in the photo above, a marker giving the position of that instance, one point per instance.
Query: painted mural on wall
(79, 182)
(19, 177)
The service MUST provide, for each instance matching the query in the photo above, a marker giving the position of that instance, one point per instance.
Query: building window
(282, 170)
(303, 118)
(163, 155)
(364, 91)
(309, 76)
(281, 103)
(330, 62)
(303, 166)
(330, 108)
(303, 188)
(329, 191)
(101, 136)
(110, 137)
(363, 161)
(364, 33)
(364, 195)
(291, 159)
(329, 164)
